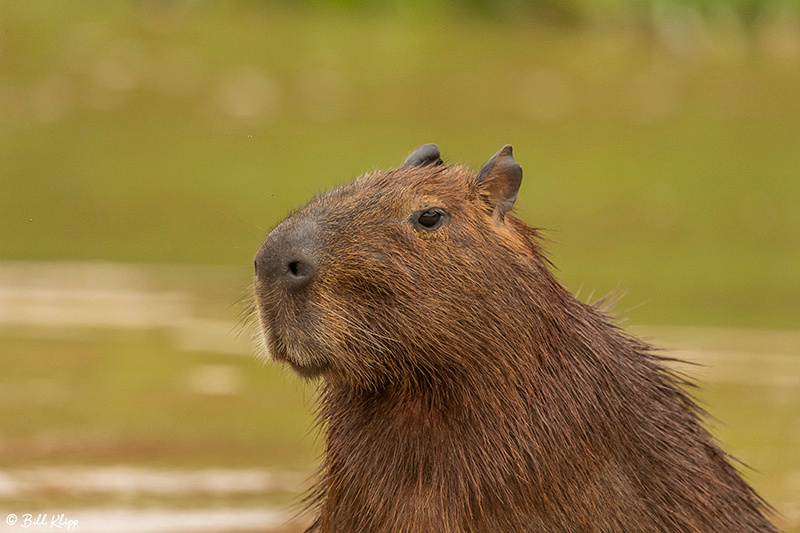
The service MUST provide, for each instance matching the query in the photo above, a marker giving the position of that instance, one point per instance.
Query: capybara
(463, 389)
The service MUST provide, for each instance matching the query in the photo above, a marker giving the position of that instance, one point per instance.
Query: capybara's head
(400, 275)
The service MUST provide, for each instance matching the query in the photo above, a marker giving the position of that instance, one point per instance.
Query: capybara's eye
(430, 219)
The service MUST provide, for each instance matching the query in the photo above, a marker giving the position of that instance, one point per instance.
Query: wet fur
(465, 390)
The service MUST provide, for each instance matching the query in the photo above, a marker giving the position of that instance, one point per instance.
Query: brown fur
(465, 390)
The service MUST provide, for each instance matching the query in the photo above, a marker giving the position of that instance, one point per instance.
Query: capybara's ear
(427, 154)
(499, 180)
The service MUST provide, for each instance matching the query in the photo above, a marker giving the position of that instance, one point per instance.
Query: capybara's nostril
(299, 272)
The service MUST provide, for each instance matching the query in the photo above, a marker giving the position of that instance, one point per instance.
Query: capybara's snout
(289, 258)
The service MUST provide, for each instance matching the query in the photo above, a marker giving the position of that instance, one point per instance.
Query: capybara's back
(465, 390)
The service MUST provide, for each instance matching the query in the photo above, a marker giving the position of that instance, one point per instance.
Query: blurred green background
(146, 148)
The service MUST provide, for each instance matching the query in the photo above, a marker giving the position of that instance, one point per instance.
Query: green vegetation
(665, 167)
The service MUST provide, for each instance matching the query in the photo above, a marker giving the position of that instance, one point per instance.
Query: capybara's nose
(289, 255)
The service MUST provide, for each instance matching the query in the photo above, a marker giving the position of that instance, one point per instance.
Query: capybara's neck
(582, 433)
